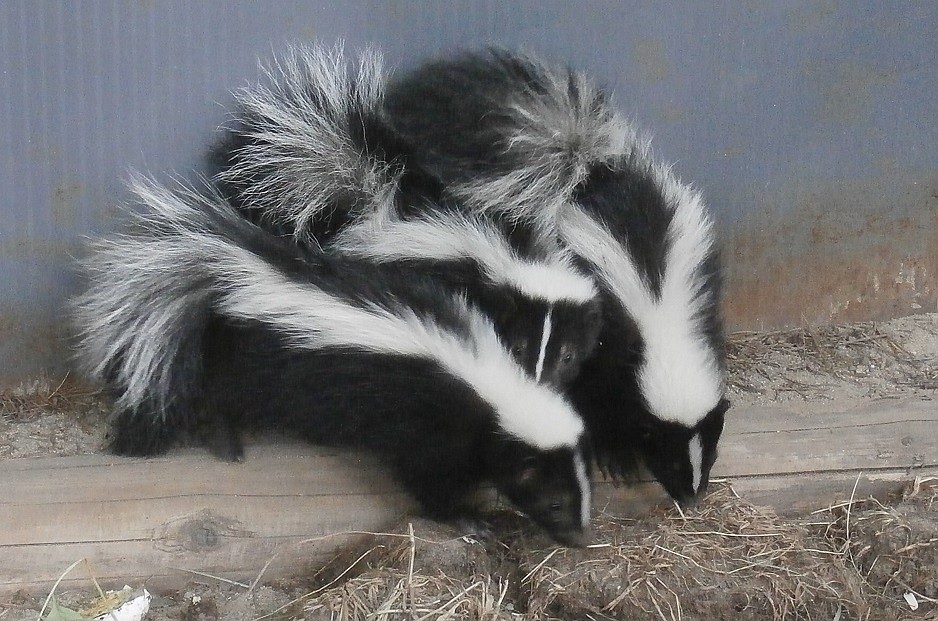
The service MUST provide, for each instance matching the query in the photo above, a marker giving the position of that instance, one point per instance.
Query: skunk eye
(555, 507)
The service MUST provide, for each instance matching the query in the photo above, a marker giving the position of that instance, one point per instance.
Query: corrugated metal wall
(811, 127)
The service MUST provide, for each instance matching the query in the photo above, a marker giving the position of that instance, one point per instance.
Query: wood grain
(146, 521)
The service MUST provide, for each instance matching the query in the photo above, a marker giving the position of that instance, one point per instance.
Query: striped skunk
(195, 313)
(510, 136)
(309, 156)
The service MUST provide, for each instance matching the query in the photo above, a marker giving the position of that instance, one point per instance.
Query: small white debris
(132, 610)
(911, 600)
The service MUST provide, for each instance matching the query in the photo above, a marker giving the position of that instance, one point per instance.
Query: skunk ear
(528, 470)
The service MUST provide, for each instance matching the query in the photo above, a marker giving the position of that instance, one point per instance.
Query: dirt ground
(725, 560)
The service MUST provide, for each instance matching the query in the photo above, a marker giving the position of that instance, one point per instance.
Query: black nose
(579, 538)
(687, 501)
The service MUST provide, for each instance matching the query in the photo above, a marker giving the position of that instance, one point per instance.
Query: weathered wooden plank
(325, 470)
(786, 494)
(144, 520)
(799, 494)
(881, 434)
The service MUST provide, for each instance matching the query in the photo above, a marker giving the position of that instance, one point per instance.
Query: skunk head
(552, 487)
(680, 457)
(550, 340)
(628, 432)
(653, 392)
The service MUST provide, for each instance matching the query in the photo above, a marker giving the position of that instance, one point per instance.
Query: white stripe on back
(680, 376)
(454, 236)
(312, 318)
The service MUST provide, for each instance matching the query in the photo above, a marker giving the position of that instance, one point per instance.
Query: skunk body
(309, 156)
(543, 148)
(440, 437)
(197, 313)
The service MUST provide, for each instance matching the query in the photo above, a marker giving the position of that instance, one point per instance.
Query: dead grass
(68, 395)
(892, 548)
(394, 594)
(808, 360)
(726, 559)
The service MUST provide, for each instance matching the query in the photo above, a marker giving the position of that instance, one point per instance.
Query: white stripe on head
(695, 451)
(586, 501)
(680, 376)
(454, 236)
(545, 339)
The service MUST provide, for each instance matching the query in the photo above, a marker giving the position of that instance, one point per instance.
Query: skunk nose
(575, 538)
(688, 502)
(692, 500)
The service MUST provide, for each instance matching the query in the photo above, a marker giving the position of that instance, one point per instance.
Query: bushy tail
(299, 153)
(184, 258)
(142, 319)
(530, 132)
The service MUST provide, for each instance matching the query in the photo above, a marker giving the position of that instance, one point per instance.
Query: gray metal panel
(810, 126)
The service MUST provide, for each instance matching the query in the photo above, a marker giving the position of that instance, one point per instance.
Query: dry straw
(805, 360)
(723, 559)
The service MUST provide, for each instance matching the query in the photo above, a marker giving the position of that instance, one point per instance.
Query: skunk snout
(577, 538)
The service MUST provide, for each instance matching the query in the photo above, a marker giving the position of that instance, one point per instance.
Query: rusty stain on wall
(840, 254)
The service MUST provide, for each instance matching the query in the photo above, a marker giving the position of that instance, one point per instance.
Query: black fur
(454, 109)
(512, 136)
(628, 200)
